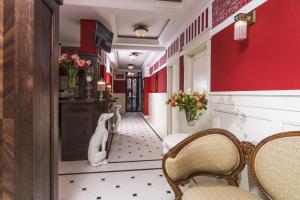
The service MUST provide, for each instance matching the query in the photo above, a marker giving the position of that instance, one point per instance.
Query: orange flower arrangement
(191, 102)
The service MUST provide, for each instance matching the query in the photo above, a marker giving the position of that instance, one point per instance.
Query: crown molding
(129, 4)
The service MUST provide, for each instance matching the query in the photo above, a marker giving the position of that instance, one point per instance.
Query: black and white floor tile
(133, 172)
(136, 141)
(130, 185)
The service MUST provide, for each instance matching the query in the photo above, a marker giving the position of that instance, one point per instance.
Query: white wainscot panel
(158, 113)
(291, 126)
(253, 118)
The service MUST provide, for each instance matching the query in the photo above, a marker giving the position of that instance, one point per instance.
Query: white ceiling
(162, 18)
(124, 61)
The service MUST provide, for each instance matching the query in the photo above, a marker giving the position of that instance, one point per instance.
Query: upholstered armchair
(275, 166)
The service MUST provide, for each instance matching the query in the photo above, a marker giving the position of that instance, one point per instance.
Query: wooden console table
(78, 121)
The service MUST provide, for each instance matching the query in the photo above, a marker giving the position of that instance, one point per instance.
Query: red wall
(162, 81)
(149, 86)
(152, 88)
(181, 73)
(119, 86)
(268, 60)
(87, 32)
(146, 95)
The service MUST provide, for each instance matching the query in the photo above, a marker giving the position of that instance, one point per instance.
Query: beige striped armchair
(274, 163)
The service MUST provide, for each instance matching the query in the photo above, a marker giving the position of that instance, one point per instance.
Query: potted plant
(191, 102)
(73, 64)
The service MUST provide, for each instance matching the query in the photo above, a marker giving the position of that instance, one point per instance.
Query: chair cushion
(217, 192)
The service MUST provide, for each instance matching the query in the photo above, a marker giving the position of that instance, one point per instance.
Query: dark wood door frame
(21, 166)
(138, 93)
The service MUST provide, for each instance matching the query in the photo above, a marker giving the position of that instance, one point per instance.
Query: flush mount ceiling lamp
(134, 55)
(141, 31)
(242, 21)
(130, 66)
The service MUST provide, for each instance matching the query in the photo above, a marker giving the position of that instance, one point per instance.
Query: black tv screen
(103, 37)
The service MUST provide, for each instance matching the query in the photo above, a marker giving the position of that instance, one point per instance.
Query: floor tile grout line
(114, 171)
(150, 127)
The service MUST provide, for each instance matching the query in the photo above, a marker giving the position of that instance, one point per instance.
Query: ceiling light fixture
(130, 66)
(134, 55)
(141, 31)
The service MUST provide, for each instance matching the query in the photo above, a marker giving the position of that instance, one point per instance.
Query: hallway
(133, 170)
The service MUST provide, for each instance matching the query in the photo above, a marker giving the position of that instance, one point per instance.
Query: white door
(200, 71)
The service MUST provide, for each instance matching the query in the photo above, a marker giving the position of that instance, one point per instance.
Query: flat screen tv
(103, 37)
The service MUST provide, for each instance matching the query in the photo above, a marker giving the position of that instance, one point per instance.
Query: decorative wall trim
(197, 27)
(258, 93)
(253, 4)
(222, 9)
(242, 115)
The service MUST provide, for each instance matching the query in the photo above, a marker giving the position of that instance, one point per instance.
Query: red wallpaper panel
(181, 73)
(152, 84)
(162, 80)
(119, 86)
(87, 32)
(268, 60)
(146, 95)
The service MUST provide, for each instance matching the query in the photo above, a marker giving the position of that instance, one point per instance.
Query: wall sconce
(242, 21)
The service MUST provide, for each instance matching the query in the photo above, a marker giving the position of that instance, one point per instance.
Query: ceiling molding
(114, 28)
(138, 47)
(144, 5)
(191, 10)
(136, 41)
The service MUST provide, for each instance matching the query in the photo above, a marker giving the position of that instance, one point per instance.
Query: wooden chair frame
(244, 149)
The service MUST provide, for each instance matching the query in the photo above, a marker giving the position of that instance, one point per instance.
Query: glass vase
(190, 116)
(72, 78)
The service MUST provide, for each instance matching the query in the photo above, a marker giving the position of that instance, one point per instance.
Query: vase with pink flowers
(73, 64)
(191, 102)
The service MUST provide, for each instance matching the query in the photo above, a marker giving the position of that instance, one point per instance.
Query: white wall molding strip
(258, 93)
(242, 115)
(246, 9)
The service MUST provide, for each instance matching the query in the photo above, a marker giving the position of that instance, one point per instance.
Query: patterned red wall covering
(222, 9)
(268, 60)
(200, 24)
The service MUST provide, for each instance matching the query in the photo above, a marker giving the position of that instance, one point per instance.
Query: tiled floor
(136, 141)
(133, 172)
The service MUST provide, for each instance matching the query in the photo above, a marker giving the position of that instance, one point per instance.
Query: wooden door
(42, 100)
